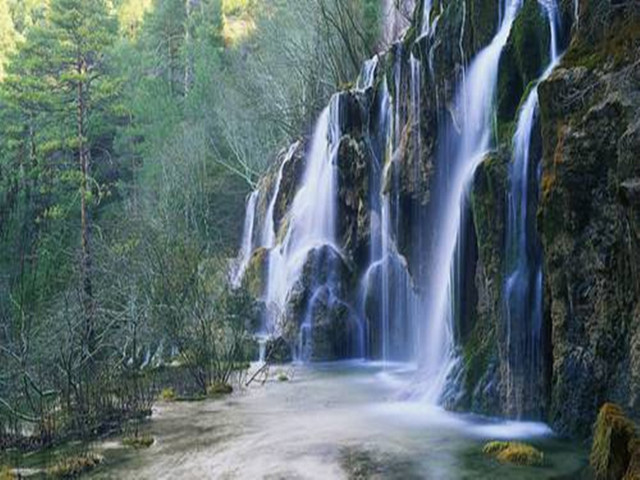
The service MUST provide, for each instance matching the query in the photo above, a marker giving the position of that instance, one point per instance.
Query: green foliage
(131, 134)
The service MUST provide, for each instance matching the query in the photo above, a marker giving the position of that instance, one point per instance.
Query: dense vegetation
(130, 134)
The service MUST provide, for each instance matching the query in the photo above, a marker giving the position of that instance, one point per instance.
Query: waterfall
(392, 309)
(474, 104)
(268, 237)
(523, 285)
(247, 240)
(367, 75)
(312, 217)
(426, 18)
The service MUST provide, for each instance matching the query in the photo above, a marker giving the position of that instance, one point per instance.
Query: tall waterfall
(312, 217)
(474, 108)
(523, 285)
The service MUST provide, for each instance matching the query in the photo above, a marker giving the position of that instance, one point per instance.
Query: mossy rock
(219, 388)
(74, 466)
(138, 441)
(282, 377)
(514, 453)
(523, 58)
(168, 395)
(612, 436)
(255, 275)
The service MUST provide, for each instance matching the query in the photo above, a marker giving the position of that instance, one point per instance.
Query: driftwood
(267, 364)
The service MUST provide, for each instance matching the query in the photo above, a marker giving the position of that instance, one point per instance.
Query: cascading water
(426, 18)
(474, 106)
(388, 298)
(247, 240)
(311, 220)
(367, 75)
(523, 285)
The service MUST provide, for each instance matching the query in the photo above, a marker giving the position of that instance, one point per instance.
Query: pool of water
(340, 421)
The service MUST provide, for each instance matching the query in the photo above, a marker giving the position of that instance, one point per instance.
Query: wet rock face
(588, 220)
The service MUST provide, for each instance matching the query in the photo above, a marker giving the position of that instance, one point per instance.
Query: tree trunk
(85, 167)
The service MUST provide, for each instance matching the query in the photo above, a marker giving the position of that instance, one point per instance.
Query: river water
(338, 421)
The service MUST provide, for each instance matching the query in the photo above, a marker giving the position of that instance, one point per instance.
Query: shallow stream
(339, 421)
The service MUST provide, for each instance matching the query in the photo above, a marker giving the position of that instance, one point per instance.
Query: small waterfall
(268, 237)
(367, 75)
(426, 18)
(523, 285)
(312, 217)
(474, 106)
(247, 240)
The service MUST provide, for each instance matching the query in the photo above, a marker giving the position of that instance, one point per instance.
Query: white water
(367, 75)
(312, 217)
(268, 238)
(247, 240)
(426, 18)
(523, 286)
(474, 105)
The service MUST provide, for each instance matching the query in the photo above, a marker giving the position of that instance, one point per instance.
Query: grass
(74, 466)
(515, 453)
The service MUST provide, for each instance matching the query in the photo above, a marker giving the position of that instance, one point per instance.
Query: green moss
(618, 48)
(138, 441)
(515, 453)
(220, 388)
(282, 377)
(522, 59)
(613, 433)
(256, 272)
(168, 395)
(74, 466)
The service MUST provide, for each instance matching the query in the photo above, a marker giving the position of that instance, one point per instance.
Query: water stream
(339, 421)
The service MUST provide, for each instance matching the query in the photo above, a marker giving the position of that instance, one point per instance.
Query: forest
(131, 134)
(320, 239)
